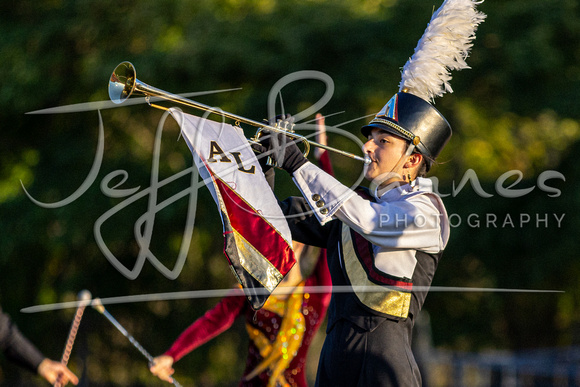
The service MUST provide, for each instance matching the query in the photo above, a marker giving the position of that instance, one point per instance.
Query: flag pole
(84, 297)
(98, 306)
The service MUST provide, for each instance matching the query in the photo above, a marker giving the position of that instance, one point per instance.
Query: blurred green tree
(515, 110)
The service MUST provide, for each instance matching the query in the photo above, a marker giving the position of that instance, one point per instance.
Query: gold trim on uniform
(389, 301)
(278, 354)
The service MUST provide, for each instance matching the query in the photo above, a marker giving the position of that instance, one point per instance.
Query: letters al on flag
(257, 239)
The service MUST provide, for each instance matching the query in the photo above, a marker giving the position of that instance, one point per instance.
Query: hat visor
(366, 130)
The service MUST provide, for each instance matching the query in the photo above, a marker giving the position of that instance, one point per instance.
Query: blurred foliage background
(514, 110)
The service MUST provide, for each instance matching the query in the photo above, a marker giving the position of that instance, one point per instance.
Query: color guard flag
(257, 239)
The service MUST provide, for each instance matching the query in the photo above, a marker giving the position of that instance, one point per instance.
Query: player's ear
(414, 160)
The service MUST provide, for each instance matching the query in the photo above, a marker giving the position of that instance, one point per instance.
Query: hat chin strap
(377, 182)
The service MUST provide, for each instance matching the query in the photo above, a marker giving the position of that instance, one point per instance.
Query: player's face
(385, 151)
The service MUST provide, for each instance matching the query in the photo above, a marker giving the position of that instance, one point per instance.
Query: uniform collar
(396, 191)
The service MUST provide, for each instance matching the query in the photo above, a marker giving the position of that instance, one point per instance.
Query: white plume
(444, 46)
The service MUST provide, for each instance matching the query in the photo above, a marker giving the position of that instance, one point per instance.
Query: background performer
(17, 348)
(281, 331)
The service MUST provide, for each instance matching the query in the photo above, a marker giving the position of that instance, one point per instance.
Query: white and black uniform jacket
(390, 242)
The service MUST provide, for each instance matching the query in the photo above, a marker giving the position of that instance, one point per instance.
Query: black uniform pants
(353, 357)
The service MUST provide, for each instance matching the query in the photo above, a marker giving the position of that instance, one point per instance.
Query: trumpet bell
(122, 82)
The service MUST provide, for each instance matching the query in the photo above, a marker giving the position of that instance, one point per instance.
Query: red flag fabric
(257, 239)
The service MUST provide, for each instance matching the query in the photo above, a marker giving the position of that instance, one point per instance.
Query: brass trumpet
(123, 83)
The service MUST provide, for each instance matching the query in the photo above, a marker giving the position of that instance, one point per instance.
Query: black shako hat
(415, 120)
(444, 47)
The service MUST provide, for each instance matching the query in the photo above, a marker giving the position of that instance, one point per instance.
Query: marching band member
(385, 242)
(17, 348)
